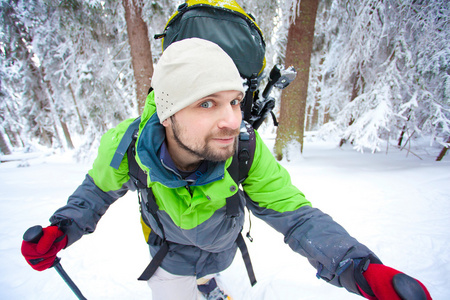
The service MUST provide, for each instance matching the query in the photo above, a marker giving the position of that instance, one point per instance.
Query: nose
(230, 117)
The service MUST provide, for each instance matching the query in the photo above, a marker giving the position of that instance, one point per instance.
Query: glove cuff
(361, 281)
(350, 274)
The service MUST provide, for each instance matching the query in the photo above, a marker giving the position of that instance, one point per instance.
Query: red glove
(390, 284)
(41, 255)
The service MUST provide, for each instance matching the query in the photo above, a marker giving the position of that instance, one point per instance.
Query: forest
(374, 73)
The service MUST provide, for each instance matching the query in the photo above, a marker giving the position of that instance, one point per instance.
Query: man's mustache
(226, 133)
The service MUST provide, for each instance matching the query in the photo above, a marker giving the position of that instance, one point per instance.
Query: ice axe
(33, 235)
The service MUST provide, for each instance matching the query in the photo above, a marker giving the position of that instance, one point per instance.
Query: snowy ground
(398, 206)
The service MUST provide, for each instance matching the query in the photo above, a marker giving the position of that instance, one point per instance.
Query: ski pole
(33, 235)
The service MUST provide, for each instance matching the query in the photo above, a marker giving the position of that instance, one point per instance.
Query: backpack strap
(243, 158)
(125, 143)
(246, 150)
(240, 165)
(246, 257)
(135, 172)
(156, 261)
(128, 145)
(238, 170)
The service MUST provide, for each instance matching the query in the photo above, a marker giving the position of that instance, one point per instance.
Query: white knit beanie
(189, 70)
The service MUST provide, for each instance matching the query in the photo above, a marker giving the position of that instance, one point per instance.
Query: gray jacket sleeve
(314, 234)
(84, 209)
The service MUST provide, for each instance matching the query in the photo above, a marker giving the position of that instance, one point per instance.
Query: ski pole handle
(274, 75)
(33, 234)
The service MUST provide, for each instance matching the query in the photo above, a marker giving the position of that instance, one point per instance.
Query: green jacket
(193, 214)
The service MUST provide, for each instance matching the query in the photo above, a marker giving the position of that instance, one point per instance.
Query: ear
(166, 122)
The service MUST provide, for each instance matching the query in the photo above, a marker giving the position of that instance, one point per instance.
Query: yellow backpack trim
(145, 229)
(220, 4)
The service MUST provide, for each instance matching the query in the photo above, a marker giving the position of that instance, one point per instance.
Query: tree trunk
(313, 116)
(443, 152)
(313, 120)
(77, 109)
(12, 132)
(293, 99)
(141, 55)
(14, 138)
(44, 135)
(402, 134)
(5, 145)
(67, 135)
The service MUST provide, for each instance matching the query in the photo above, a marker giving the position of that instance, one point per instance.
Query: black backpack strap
(156, 261)
(246, 151)
(238, 170)
(128, 145)
(240, 166)
(243, 158)
(245, 255)
(135, 172)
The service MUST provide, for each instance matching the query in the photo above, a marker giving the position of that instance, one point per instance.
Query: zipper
(188, 188)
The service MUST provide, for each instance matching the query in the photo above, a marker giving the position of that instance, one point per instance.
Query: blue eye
(235, 102)
(207, 104)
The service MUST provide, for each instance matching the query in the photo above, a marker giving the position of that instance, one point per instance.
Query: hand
(383, 282)
(41, 254)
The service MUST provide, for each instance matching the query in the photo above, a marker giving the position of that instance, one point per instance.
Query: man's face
(206, 129)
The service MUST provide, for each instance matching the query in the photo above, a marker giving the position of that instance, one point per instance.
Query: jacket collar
(151, 138)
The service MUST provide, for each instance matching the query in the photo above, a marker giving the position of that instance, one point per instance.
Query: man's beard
(206, 152)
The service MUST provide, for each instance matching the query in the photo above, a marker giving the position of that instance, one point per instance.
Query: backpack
(225, 23)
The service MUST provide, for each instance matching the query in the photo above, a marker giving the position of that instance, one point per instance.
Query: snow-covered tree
(78, 54)
(383, 70)
(87, 53)
(27, 108)
(379, 70)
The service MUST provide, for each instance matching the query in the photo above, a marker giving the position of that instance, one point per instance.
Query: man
(187, 137)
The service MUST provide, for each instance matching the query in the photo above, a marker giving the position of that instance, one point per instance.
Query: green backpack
(224, 23)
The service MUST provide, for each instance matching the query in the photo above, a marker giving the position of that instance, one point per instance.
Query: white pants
(167, 286)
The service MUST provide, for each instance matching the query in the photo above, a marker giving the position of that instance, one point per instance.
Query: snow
(397, 205)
